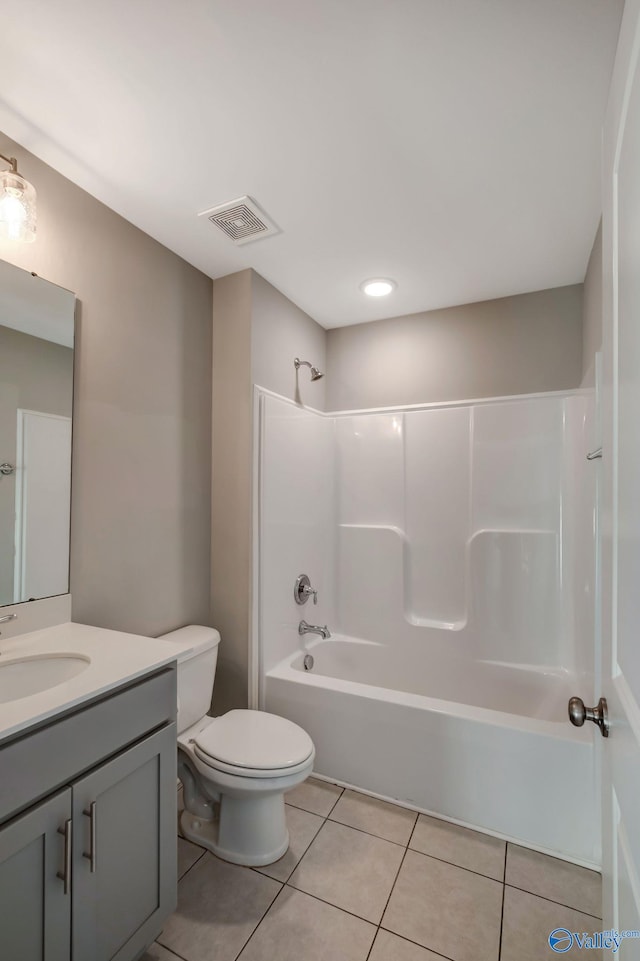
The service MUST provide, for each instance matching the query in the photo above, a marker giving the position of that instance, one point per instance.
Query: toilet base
(249, 831)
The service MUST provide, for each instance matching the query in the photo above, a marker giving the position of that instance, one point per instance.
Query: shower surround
(452, 548)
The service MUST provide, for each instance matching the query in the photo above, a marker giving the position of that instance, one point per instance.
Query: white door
(620, 522)
(43, 496)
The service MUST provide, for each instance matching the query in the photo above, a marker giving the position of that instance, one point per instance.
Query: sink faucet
(304, 628)
(7, 617)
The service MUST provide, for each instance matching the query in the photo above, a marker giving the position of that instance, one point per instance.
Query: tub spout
(304, 628)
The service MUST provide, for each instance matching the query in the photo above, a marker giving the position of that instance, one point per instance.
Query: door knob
(578, 714)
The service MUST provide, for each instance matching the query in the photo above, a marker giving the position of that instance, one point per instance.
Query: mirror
(36, 398)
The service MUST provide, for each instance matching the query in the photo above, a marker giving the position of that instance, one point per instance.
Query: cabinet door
(125, 850)
(35, 912)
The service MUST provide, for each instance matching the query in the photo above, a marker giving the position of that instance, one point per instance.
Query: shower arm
(315, 373)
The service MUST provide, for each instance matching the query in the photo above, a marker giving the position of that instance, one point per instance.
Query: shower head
(315, 373)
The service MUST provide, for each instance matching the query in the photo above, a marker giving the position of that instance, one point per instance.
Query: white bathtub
(484, 744)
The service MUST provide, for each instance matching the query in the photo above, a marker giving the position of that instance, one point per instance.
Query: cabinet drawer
(39, 762)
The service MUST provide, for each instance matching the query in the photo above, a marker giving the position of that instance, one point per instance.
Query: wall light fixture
(17, 204)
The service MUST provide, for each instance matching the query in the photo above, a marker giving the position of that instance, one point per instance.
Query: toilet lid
(255, 739)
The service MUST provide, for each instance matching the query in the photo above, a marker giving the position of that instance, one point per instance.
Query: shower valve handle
(303, 590)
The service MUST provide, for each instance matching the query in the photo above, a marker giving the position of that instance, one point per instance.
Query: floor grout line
(331, 905)
(504, 887)
(553, 857)
(264, 914)
(299, 807)
(336, 801)
(306, 850)
(413, 830)
(197, 860)
(295, 866)
(403, 937)
(170, 950)
(373, 941)
(399, 844)
(386, 903)
(165, 948)
(380, 801)
(453, 864)
(325, 816)
(560, 904)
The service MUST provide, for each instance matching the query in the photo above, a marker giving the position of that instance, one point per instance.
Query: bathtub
(485, 744)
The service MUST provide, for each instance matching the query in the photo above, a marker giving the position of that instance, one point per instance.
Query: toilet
(234, 768)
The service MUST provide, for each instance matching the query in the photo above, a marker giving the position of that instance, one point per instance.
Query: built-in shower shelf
(511, 530)
(494, 561)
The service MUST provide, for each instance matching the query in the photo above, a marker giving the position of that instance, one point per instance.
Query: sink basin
(23, 676)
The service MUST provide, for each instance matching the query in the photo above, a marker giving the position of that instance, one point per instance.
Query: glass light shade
(17, 208)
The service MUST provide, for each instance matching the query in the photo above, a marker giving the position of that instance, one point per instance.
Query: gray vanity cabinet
(88, 843)
(124, 873)
(35, 912)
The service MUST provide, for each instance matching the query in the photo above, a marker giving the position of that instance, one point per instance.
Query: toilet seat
(208, 764)
(253, 744)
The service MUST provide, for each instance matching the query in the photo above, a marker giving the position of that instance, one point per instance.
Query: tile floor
(365, 880)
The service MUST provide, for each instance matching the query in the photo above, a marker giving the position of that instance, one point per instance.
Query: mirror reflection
(36, 397)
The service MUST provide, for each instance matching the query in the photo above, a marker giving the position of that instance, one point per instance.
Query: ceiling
(453, 145)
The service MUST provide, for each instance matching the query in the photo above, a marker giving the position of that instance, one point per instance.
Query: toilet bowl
(234, 768)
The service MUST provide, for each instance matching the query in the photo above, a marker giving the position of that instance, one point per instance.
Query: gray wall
(280, 331)
(140, 545)
(35, 374)
(592, 312)
(515, 345)
(257, 332)
(231, 486)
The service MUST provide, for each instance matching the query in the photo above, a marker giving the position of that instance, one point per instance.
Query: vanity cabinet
(124, 877)
(89, 873)
(35, 913)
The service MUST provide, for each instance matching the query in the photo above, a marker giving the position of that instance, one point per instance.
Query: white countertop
(115, 659)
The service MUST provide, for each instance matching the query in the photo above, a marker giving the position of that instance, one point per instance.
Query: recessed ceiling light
(378, 286)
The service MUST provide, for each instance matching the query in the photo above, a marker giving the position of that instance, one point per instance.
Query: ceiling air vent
(242, 220)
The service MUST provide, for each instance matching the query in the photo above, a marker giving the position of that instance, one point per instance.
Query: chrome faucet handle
(7, 617)
(304, 628)
(308, 592)
(302, 590)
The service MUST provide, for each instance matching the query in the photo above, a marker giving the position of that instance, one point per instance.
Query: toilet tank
(196, 671)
